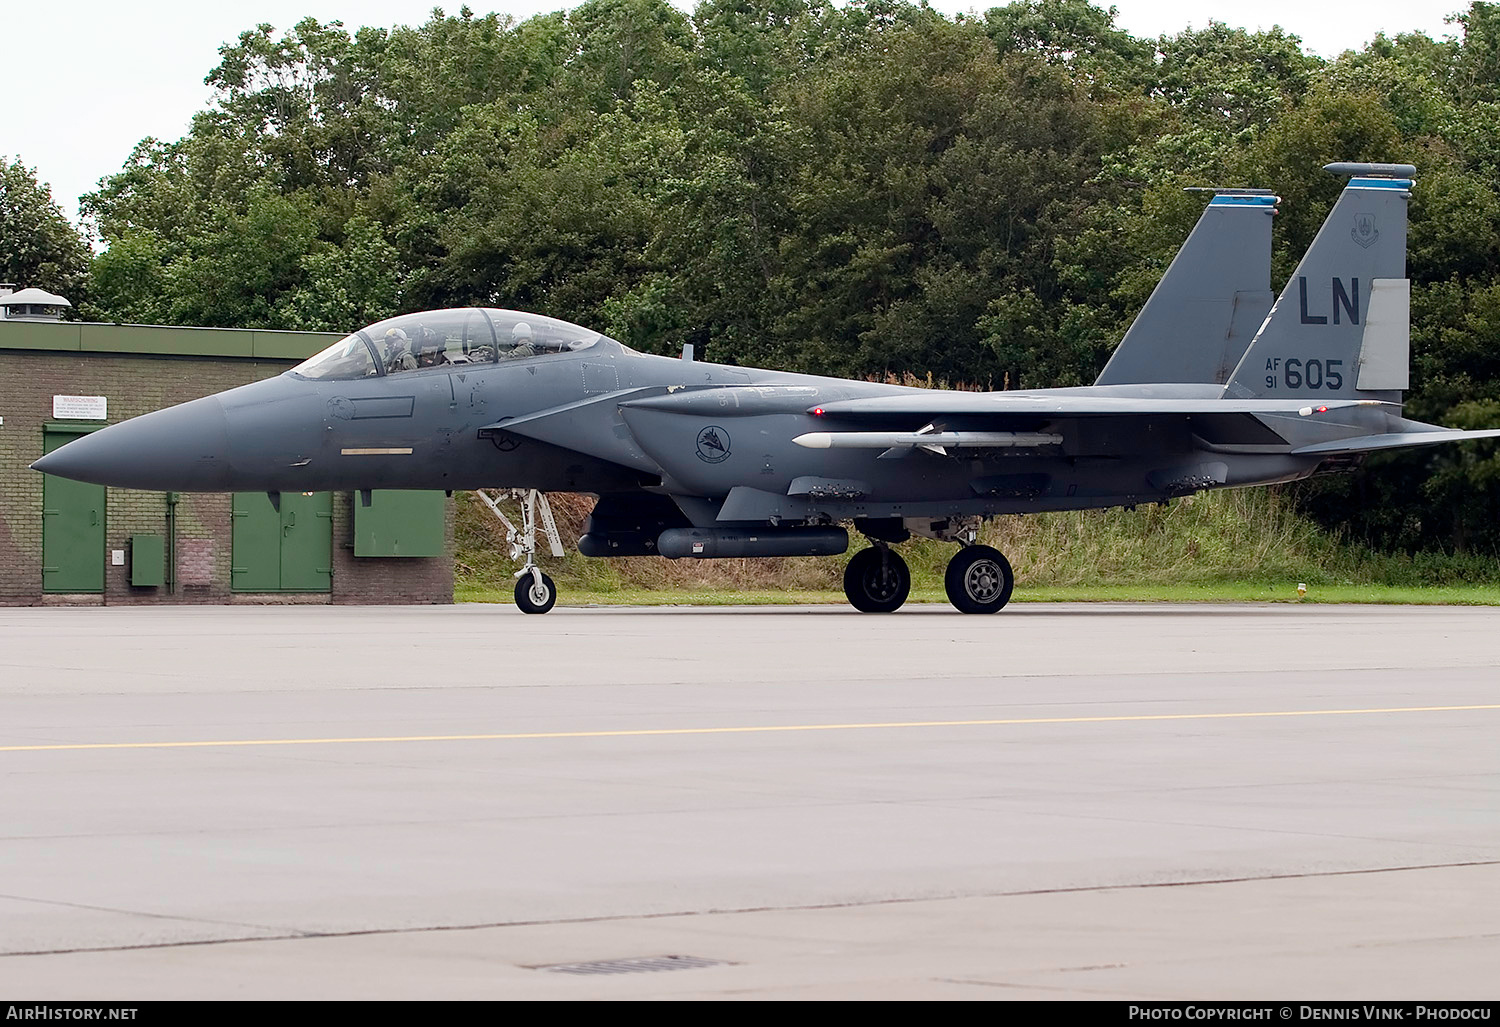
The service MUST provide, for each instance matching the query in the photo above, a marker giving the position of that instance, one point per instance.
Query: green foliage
(1229, 80)
(128, 282)
(352, 284)
(1074, 34)
(39, 247)
(861, 189)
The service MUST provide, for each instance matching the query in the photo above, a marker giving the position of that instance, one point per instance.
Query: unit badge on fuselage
(713, 445)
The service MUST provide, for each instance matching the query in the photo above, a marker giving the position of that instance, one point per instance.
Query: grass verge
(1217, 592)
(1235, 546)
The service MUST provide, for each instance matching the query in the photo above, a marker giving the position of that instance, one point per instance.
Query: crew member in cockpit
(431, 352)
(398, 352)
(520, 342)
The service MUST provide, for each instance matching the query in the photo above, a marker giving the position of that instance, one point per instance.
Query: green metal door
(256, 544)
(72, 527)
(286, 551)
(306, 542)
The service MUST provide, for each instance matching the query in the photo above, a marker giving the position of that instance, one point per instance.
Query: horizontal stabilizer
(1395, 440)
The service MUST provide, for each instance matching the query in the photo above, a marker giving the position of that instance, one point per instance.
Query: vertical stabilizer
(1340, 328)
(1215, 294)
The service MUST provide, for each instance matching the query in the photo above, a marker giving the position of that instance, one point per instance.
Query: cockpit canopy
(445, 338)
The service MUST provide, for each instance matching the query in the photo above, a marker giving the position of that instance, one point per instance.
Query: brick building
(64, 542)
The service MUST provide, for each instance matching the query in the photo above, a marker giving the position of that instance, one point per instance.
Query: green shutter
(400, 522)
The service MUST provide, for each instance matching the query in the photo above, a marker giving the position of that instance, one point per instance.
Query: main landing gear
(535, 592)
(877, 580)
(978, 580)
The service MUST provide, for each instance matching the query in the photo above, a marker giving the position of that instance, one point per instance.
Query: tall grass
(1242, 535)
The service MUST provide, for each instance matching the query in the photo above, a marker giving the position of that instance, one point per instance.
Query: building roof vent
(32, 305)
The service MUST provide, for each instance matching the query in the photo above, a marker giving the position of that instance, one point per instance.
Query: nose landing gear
(535, 592)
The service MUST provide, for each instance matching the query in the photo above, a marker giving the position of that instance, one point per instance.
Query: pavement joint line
(752, 729)
(1353, 669)
(905, 900)
(94, 908)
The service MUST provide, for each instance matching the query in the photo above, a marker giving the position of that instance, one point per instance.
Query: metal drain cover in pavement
(634, 965)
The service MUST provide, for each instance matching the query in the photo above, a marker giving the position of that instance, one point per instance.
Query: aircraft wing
(937, 405)
(1019, 412)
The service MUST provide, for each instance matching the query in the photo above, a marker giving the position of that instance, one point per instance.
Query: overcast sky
(84, 80)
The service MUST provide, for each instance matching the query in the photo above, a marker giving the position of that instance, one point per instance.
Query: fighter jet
(1212, 387)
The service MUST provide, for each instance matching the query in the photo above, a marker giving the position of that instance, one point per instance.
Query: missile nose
(182, 449)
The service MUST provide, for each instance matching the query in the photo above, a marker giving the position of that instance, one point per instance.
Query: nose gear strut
(535, 592)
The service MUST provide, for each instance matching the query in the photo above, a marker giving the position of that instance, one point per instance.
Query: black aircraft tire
(877, 580)
(533, 600)
(979, 580)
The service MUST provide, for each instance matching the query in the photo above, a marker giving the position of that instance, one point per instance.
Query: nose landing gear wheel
(877, 580)
(534, 597)
(979, 580)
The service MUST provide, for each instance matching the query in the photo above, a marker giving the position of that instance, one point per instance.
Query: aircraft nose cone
(181, 449)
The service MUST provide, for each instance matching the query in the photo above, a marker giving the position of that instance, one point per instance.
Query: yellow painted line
(759, 729)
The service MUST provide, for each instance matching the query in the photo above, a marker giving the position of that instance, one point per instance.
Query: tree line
(868, 189)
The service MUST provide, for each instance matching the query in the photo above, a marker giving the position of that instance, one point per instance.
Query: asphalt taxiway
(1100, 801)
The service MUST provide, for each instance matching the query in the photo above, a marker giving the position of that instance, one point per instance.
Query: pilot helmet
(521, 332)
(396, 339)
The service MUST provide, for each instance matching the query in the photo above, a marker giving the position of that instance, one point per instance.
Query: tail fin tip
(1354, 169)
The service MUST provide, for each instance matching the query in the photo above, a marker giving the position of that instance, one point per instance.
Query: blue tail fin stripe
(1243, 201)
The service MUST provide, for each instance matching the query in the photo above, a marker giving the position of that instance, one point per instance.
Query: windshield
(446, 338)
(347, 358)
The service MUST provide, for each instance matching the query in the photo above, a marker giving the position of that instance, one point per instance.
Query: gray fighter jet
(1213, 387)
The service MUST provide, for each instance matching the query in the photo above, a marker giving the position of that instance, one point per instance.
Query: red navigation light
(1321, 410)
(817, 411)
